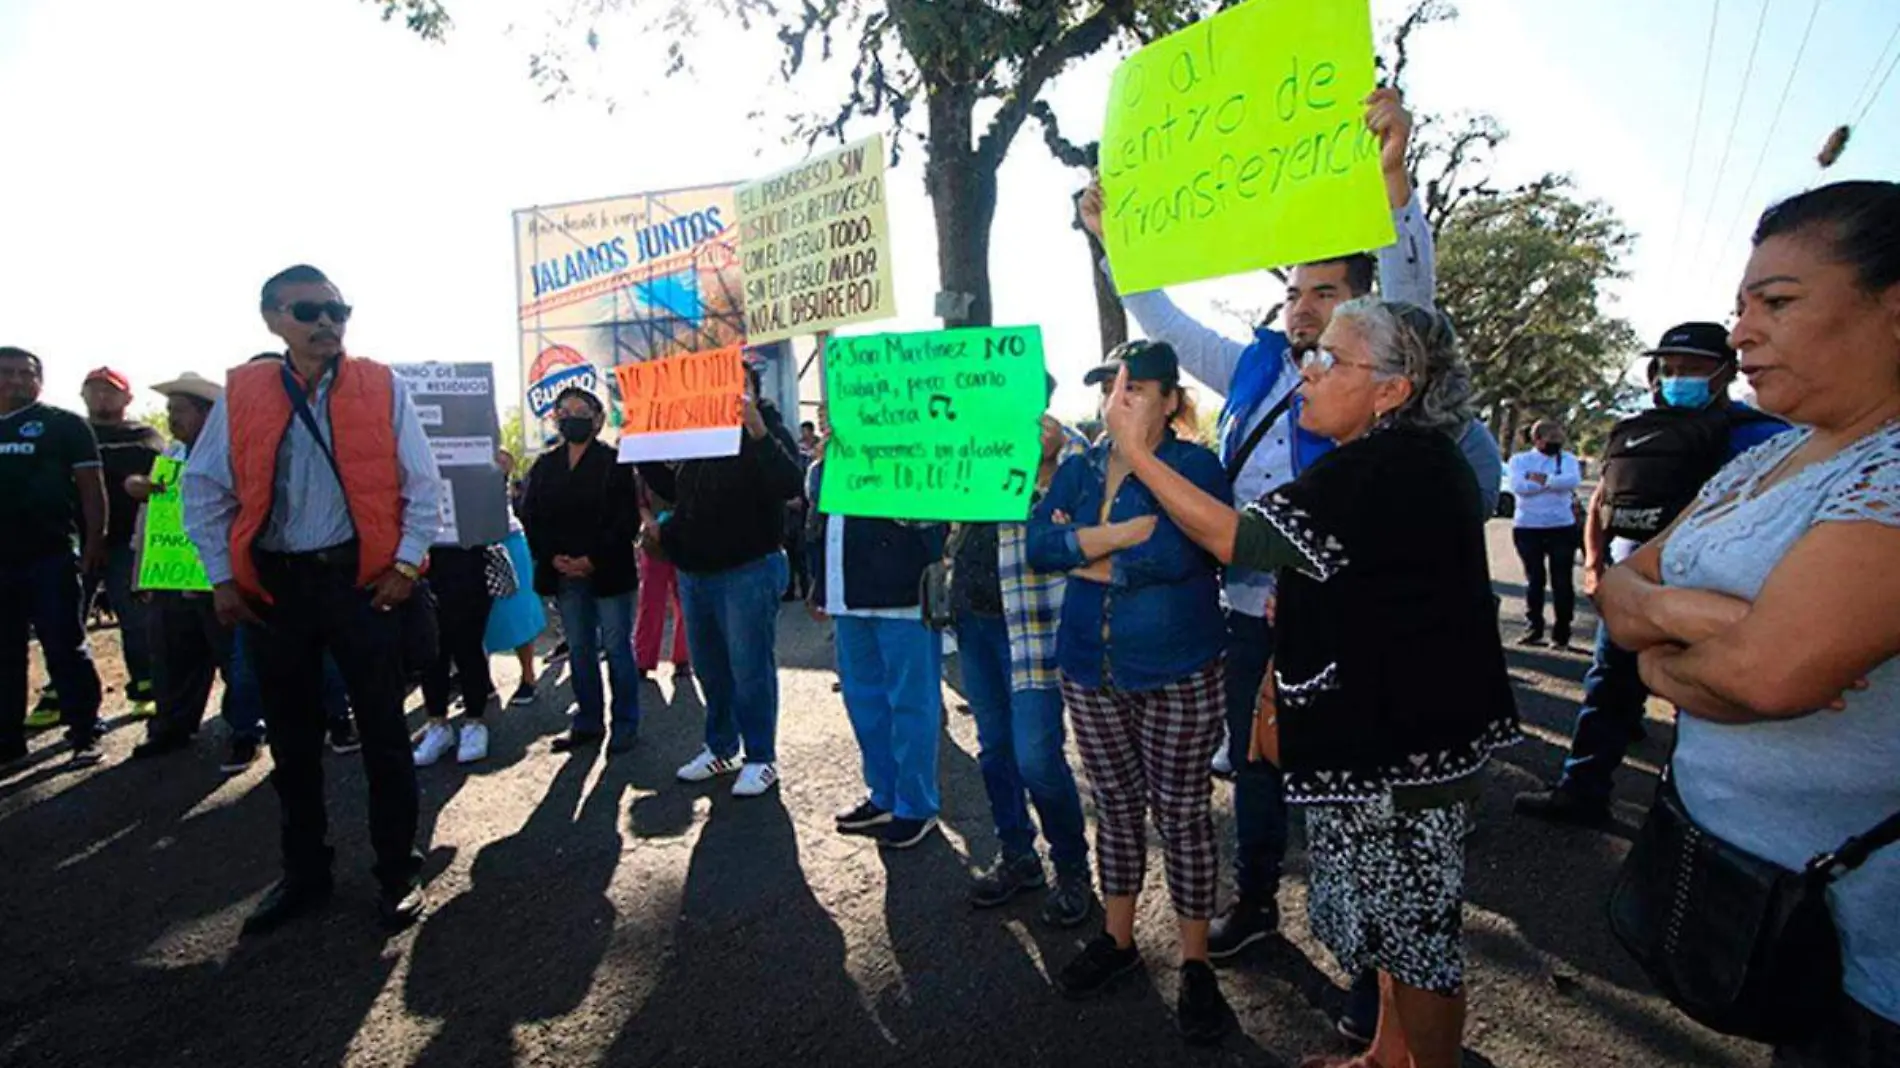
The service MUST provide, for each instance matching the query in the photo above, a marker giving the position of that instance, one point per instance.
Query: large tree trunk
(963, 196)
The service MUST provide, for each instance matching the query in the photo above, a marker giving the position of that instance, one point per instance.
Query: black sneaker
(86, 753)
(401, 905)
(1096, 968)
(901, 833)
(1243, 924)
(573, 740)
(524, 696)
(286, 901)
(243, 754)
(1558, 805)
(559, 652)
(1070, 901)
(1005, 879)
(865, 818)
(1201, 1011)
(1532, 639)
(343, 736)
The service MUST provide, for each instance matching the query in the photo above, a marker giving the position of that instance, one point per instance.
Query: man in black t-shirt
(126, 449)
(52, 492)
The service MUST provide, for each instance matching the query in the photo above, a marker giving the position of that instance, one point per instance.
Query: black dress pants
(1549, 555)
(190, 648)
(460, 581)
(317, 606)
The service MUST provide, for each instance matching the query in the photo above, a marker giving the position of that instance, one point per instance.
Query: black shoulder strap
(1246, 450)
(302, 406)
(1855, 851)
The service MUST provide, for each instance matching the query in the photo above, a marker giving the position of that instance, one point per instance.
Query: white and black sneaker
(901, 833)
(864, 819)
(706, 766)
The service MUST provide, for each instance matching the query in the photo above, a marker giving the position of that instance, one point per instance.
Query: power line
(1735, 121)
(1878, 89)
(1878, 57)
(1695, 131)
(1754, 174)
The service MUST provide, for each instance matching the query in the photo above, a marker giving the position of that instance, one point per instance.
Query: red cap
(110, 377)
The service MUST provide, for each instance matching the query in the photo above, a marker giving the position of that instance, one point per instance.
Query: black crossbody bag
(1740, 944)
(1246, 450)
(415, 617)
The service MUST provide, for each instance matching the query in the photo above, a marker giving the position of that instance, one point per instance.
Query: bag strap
(302, 405)
(1246, 450)
(1854, 852)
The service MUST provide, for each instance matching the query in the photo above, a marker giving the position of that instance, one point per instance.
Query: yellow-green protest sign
(1240, 143)
(815, 245)
(943, 425)
(167, 559)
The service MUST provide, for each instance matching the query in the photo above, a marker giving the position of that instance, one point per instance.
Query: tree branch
(1082, 39)
(1064, 150)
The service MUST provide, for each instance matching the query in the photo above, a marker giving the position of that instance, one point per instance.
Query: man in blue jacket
(1263, 447)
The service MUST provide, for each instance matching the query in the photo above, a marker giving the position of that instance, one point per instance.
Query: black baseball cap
(1151, 361)
(1696, 339)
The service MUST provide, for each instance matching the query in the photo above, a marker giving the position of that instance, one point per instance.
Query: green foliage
(156, 418)
(428, 19)
(513, 439)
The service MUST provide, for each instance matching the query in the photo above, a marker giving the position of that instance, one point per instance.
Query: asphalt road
(599, 913)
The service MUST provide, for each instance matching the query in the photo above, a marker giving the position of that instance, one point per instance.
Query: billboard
(601, 283)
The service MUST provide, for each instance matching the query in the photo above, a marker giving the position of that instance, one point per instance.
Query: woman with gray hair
(1389, 690)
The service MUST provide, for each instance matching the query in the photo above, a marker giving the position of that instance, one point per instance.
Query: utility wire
(1741, 209)
(1891, 38)
(1735, 121)
(1695, 132)
(1878, 89)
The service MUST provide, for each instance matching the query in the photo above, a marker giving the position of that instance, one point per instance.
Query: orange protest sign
(681, 408)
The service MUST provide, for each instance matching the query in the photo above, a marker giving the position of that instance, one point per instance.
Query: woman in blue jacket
(1139, 648)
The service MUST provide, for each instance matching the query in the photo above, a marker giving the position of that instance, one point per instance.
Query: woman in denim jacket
(1139, 648)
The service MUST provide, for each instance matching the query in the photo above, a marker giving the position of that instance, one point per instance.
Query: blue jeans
(45, 592)
(134, 632)
(1260, 814)
(591, 624)
(891, 674)
(1020, 738)
(243, 707)
(732, 633)
(1610, 720)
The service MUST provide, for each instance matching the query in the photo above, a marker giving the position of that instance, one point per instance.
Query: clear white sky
(162, 159)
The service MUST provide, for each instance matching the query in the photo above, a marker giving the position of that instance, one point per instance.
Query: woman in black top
(1388, 690)
(581, 514)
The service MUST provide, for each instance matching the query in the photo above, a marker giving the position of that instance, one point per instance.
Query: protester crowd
(1305, 602)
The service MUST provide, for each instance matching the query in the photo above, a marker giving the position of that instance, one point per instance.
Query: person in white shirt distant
(1545, 481)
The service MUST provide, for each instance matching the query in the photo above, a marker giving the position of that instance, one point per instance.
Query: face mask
(1551, 448)
(576, 429)
(1685, 392)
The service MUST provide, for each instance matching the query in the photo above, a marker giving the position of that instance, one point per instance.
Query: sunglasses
(1323, 360)
(309, 311)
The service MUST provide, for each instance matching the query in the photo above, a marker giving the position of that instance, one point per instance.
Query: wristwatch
(408, 571)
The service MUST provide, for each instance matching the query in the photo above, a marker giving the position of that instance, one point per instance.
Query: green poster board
(168, 560)
(1240, 143)
(941, 425)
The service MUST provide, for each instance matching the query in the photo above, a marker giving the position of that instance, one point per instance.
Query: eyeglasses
(309, 311)
(1324, 360)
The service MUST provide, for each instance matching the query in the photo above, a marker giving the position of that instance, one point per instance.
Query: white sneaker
(705, 766)
(755, 779)
(474, 745)
(1223, 759)
(436, 742)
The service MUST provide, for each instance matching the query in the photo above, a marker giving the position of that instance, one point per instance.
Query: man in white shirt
(1545, 530)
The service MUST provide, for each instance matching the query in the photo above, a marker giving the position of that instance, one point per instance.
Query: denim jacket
(1158, 620)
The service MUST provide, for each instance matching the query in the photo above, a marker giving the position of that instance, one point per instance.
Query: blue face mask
(1685, 392)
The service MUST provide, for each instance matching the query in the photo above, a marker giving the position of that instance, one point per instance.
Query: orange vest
(258, 412)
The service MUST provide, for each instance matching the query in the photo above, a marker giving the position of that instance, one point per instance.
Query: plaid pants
(1149, 752)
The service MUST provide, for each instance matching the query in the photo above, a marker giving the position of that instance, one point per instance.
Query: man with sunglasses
(312, 498)
(1263, 448)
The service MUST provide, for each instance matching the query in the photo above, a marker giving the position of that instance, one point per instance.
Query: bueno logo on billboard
(555, 369)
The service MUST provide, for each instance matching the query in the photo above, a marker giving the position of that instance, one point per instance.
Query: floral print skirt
(1387, 889)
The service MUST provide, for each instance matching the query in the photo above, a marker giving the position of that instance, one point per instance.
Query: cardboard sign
(167, 559)
(456, 404)
(815, 246)
(682, 408)
(1240, 143)
(943, 425)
